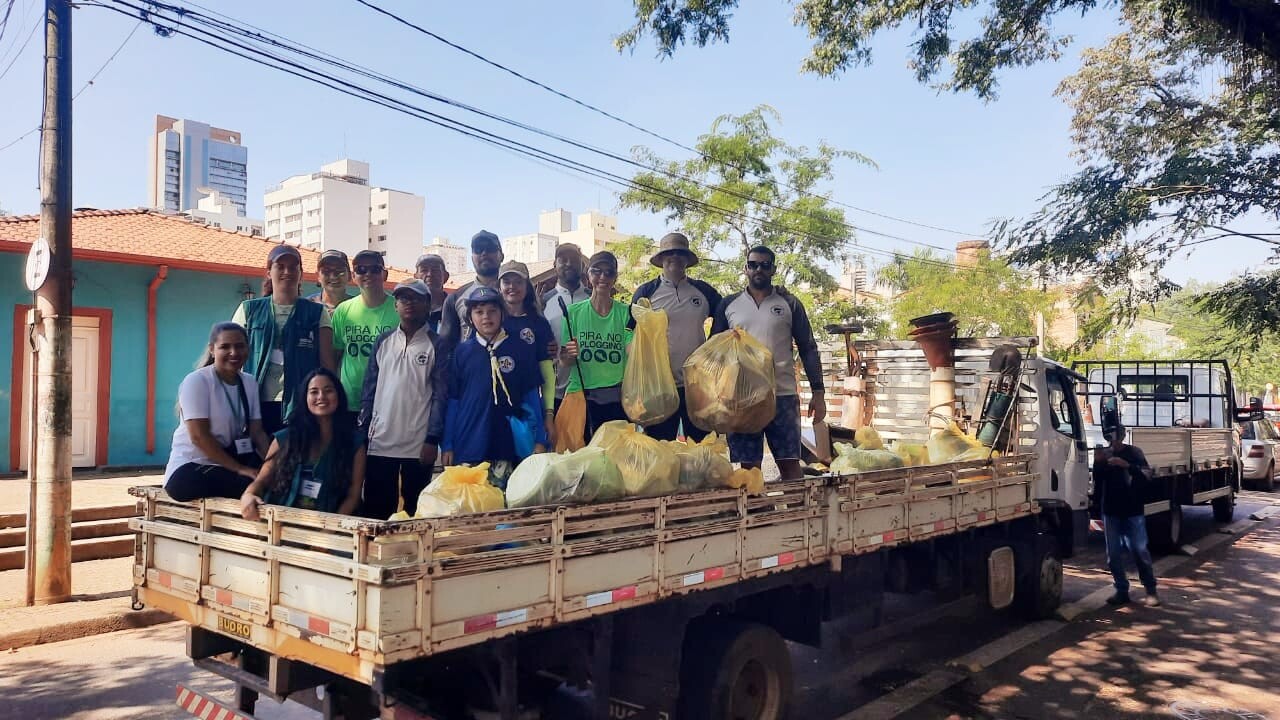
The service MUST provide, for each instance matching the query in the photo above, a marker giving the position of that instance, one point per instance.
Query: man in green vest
(358, 322)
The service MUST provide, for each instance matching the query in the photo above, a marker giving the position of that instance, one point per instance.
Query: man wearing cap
(430, 269)
(594, 338)
(289, 336)
(1119, 472)
(688, 303)
(360, 320)
(403, 406)
(335, 275)
(486, 257)
(777, 319)
(569, 265)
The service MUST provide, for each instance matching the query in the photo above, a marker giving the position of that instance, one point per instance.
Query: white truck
(1182, 414)
(662, 607)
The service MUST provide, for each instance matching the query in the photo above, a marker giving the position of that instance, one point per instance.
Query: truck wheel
(1039, 591)
(735, 670)
(1268, 481)
(1224, 508)
(1165, 529)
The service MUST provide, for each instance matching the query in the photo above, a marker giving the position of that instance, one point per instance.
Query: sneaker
(1118, 599)
(1151, 600)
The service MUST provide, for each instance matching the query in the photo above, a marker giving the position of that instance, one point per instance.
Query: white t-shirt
(203, 396)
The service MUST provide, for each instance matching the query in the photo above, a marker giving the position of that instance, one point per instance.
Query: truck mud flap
(203, 706)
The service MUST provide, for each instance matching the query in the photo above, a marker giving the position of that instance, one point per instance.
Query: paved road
(132, 674)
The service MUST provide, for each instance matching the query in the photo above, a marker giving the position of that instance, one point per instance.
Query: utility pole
(52, 424)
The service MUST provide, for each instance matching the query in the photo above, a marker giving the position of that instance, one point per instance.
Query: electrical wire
(270, 59)
(652, 133)
(35, 26)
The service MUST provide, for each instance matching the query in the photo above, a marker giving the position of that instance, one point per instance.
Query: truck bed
(351, 595)
(1181, 451)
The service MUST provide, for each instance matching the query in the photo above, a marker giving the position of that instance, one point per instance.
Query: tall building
(187, 156)
(455, 256)
(215, 210)
(595, 231)
(336, 209)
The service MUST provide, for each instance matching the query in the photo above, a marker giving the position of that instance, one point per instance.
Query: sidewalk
(100, 588)
(1208, 651)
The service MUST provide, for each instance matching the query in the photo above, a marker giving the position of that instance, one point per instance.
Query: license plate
(231, 626)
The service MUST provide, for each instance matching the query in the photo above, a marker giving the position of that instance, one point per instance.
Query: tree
(989, 299)
(1013, 32)
(747, 187)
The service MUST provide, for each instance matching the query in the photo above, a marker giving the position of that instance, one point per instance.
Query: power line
(35, 26)
(4, 21)
(269, 59)
(628, 123)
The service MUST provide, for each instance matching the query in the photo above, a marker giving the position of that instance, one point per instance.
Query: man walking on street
(335, 275)
(569, 288)
(403, 406)
(776, 318)
(430, 269)
(486, 257)
(1119, 472)
(688, 303)
(360, 320)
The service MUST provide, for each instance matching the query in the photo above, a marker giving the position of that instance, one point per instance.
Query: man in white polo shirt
(403, 404)
(776, 318)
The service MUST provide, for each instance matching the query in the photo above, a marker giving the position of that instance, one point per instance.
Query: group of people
(345, 403)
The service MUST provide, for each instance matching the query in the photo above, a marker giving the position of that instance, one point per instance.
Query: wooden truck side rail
(351, 595)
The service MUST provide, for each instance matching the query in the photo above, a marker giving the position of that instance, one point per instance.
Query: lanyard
(240, 426)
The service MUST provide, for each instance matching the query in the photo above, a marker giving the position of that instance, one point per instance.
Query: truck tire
(1224, 508)
(733, 669)
(1039, 591)
(1164, 529)
(1268, 481)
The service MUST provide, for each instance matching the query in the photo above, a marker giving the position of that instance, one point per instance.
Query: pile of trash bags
(869, 453)
(953, 445)
(582, 476)
(647, 468)
(729, 384)
(456, 491)
(704, 465)
(648, 387)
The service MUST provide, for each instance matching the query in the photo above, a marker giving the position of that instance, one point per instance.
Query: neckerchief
(495, 374)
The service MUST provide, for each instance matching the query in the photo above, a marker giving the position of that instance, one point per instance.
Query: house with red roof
(147, 287)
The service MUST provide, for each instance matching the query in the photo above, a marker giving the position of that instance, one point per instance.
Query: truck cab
(1060, 442)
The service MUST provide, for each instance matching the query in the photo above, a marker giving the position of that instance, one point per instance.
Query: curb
(73, 629)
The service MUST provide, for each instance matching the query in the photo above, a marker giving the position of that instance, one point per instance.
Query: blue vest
(300, 343)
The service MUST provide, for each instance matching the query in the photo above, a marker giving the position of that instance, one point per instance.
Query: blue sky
(945, 160)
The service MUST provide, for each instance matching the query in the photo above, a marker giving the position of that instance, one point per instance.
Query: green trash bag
(583, 476)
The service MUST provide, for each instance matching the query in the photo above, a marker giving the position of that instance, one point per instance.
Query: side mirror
(1253, 413)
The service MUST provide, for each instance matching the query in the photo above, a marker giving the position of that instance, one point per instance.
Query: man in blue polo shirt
(688, 303)
(776, 318)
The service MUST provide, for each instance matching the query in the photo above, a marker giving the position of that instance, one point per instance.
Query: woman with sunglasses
(594, 343)
(317, 462)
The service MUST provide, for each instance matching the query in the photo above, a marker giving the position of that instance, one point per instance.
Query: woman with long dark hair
(317, 462)
(524, 321)
(218, 444)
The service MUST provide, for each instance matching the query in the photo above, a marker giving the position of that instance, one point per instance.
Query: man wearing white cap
(688, 303)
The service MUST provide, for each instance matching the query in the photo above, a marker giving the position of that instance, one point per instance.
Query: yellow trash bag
(850, 460)
(868, 438)
(729, 384)
(752, 479)
(950, 444)
(571, 423)
(648, 387)
(912, 454)
(647, 467)
(460, 489)
(704, 465)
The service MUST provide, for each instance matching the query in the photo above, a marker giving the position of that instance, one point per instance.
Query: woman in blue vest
(289, 336)
(317, 462)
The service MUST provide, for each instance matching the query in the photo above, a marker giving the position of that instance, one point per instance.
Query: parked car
(1259, 450)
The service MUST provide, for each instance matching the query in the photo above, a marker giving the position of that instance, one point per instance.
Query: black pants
(669, 429)
(387, 480)
(194, 481)
(272, 417)
(601, 413)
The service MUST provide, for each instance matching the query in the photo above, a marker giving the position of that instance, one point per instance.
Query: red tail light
(1256, 451)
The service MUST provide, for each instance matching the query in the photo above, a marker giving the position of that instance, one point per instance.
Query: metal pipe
(153, 288)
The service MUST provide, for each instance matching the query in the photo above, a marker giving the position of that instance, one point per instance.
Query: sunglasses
(603, 272)
(330, 272)
(759, 265)
(488, 250)
(367, 269)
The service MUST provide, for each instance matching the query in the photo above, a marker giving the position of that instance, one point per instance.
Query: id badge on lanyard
(310, 486)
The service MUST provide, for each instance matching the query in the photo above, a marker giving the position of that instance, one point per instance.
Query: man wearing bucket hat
(688, 303)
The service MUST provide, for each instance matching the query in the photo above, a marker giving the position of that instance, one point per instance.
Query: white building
(456, 257)
(217, 211)
(595, 231)
(187, 156)
(335, 209)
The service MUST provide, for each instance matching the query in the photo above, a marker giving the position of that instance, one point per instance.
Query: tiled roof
(148, 237)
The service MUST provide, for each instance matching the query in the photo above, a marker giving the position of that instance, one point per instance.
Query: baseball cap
(428, 257)
(604, 257)
(514, 266)
(280, 251)
(483, 295)
(485, 240)
(568, 250)
(369, 256)
(334, 255)
(415, 286)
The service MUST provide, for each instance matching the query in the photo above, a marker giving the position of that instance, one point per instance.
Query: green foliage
(988, 299)
(748, 187)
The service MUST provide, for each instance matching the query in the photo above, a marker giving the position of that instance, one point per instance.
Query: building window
(382, 222)
(382, 238)
(383, 206)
